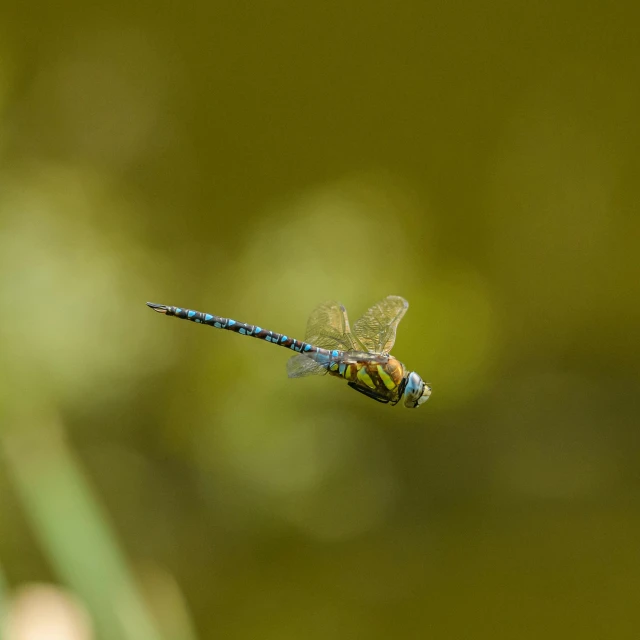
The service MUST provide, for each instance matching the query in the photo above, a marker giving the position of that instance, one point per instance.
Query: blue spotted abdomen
(242, 328)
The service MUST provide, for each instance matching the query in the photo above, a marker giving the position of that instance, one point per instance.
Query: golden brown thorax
(377, 375)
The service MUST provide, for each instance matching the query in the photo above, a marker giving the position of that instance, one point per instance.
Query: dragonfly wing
(328, 328)
(300, 366)
(376, 330)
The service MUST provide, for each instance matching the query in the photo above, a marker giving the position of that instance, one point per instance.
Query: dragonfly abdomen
(242, 328)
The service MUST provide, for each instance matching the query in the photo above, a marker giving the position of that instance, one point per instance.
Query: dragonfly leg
(368, 393)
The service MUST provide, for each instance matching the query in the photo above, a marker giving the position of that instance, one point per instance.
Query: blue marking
(268, 338)
(208, 317)
(218, 325)
(197, 320)
(307, 347)
(258, 330)
(231, 323)
(178, 310)
(293, 346)
(342, 367)
(334, 353)
(191, 314)
(283, 338)
(242, 331)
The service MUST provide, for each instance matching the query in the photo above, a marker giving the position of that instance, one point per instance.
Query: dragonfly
(361, 356)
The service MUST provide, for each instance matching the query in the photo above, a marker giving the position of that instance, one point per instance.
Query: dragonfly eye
(416, 391)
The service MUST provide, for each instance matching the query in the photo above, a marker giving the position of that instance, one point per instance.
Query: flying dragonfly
(361, 356)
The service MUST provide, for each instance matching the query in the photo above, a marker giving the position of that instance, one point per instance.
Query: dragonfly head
(415, 391)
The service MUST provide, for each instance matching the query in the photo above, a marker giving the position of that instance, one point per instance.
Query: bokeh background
(164, 481)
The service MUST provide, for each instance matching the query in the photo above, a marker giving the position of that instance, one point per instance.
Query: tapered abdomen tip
(160, 308)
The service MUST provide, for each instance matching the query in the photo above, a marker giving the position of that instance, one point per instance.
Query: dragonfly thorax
(416, 391)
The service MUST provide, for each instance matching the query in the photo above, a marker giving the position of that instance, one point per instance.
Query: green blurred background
(163, 481)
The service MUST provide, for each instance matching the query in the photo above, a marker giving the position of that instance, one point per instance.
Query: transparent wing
(300, 366)
(376, 330)
(328, 328)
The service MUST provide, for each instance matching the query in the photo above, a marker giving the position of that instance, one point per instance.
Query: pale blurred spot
(349, 240)
(555, 442)
(104, 97)
(46, 612)
(74, 282)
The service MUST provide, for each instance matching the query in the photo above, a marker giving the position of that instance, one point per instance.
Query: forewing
(300, 366)
(376, 330)
(328, 328)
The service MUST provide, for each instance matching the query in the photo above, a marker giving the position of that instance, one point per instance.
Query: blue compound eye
(416, 391)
